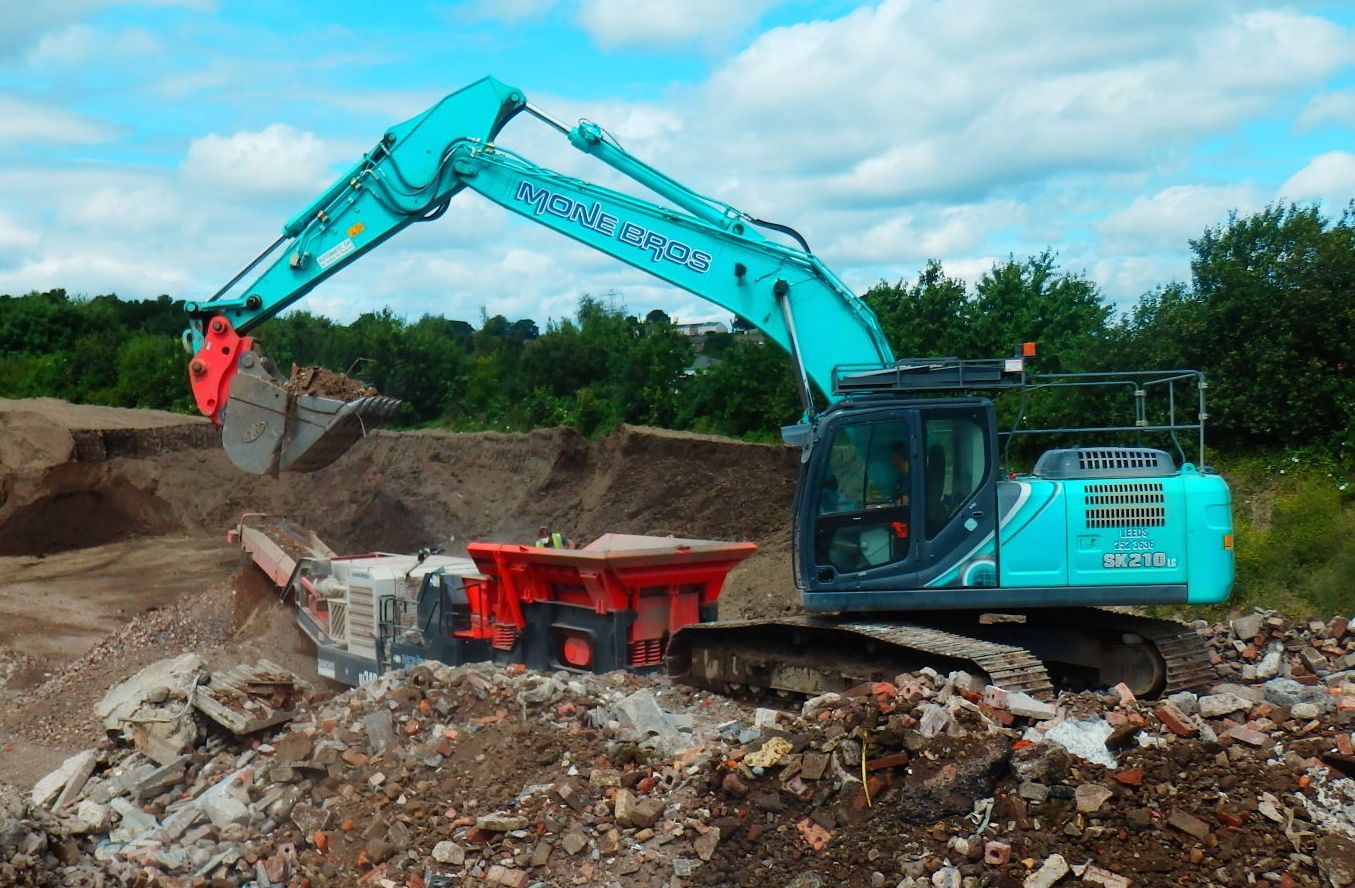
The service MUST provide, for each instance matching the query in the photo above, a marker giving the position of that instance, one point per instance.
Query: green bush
(1295, 535)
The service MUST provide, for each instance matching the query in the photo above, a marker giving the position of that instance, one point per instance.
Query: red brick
(1246, 735)
(1000, 716)
(1176, 721)
(997, 853)
(817, 837)
(897, 760)
(1132, 777)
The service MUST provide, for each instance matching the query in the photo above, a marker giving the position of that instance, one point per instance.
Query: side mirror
(798, 435)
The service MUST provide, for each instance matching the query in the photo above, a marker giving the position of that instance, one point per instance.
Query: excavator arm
(709, 248)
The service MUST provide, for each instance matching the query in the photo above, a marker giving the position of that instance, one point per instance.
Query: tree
(1269, 318)
(651, 372)
(151, 373)
(750, 393)
(1033, 301)
(926, 318)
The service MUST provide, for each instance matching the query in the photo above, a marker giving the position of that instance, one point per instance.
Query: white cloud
(16, 239)
(1333, 108)
(1168, 219)
(92, 275)
(27, 23)
(907, 101)
(1123, 280)
(961, 130)
(912, 237)
(507, 10)
(1329, 178)
(131, 209)
(277, 160)
(614, 23)
(84, 45)
(23, 122)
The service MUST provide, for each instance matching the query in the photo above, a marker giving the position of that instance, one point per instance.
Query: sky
(154, 147)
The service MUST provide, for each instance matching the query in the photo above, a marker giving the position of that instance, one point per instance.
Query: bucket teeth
(324, 429)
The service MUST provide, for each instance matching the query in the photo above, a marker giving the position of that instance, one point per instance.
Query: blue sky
(157, 146)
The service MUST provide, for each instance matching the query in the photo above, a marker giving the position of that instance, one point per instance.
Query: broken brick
(1176, 721)
(816, 835)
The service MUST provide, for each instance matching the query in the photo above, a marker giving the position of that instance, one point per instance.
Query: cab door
(857, 501)
(895, 499)
(958, 514)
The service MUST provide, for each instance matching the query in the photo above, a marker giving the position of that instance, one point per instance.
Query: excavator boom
(272, 424)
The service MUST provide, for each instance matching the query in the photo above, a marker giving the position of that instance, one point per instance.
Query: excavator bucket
(270, 425)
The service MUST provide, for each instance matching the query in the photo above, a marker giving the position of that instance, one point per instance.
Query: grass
(1294, 518)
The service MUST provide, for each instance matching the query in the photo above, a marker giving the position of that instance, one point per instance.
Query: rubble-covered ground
(491, 775)
(487, 775)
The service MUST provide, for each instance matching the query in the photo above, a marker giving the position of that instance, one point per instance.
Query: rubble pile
(492, 775)
(1263, 644)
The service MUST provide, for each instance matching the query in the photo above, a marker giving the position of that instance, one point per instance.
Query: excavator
(914, 542)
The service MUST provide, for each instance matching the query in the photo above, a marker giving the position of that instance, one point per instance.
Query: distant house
(696, 331)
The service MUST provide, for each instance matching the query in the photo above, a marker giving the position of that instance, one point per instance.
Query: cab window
(956, 463)
(864, 499)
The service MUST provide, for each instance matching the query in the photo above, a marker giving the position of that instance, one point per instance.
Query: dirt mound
(393, 492)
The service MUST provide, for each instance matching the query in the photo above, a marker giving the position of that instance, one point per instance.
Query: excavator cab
(905, 503)
(892, 497)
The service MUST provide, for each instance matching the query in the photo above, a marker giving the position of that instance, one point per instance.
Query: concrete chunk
(1053, 869)
(74, 770)
(1026, 706)
(135, 822)
(225, 810)
(1091, 796)
(1248, 627)
(118, 707)
(1218, 705)
(380, 730)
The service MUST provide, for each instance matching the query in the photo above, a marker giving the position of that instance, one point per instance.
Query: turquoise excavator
(915, 543)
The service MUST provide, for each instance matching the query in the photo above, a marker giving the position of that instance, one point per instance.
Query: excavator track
(1033, 651)
(1184, 652)
(811, 655)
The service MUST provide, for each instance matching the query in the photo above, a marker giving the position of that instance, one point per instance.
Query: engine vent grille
(1126, 504)
(1105, 462)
